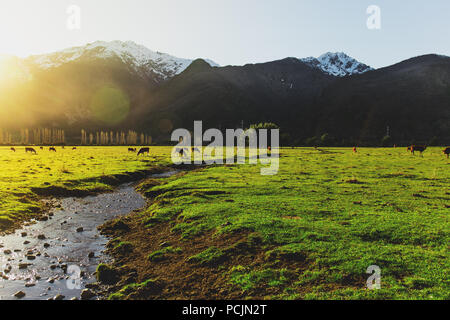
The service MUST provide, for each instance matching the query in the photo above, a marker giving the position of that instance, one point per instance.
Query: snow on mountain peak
(140, 58)
(337, 64)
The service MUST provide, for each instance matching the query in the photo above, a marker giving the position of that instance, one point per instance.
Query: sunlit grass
(332, 214)
(67, 168)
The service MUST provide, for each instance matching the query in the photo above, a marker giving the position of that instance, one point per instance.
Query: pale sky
(233, 31)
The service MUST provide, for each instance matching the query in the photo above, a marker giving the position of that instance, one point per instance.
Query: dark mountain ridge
(409, 100)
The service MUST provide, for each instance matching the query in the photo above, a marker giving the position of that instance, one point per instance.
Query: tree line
(53, 136)
(38, 136)
(104, 138)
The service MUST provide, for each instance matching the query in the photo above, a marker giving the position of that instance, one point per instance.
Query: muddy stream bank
(43, 259)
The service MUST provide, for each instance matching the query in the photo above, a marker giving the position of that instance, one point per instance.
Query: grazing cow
(74, 148)
(13, 149)
(131, 149)
(52, 149)
(446, 151)
(421, 149)
(354, 150)
(144, 151)
(408, 149)
(31, 150)
(42, 148)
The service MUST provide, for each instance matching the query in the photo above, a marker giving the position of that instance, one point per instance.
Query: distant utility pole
(388, 131)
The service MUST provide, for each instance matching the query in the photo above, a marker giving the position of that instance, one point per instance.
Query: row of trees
(39, 136)
(48, 136)
(114, 138)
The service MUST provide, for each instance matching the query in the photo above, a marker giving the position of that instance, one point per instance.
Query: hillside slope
(412, 98)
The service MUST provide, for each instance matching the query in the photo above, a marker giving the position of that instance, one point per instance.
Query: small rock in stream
(59, 297)
(23, 234)
(80, 229)
(87, 294)
(41, 237)
(19, 294)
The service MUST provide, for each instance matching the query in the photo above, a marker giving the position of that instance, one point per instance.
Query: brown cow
(421, 149)
(52, 149)
(446, 151)
(30, 150)
(131, 149)
(13, 149)
(144, 151)
(74, 148)
(354, 150)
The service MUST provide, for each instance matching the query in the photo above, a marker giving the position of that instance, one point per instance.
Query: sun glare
(12, 70)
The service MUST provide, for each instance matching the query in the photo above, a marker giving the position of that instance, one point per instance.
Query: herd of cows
(421, 149)
(181, 151)
(33, 151)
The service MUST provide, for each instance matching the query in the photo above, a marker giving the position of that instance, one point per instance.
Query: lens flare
(110, 105)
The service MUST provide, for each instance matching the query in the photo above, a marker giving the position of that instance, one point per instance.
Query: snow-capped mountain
(337, 64)
(137, 57)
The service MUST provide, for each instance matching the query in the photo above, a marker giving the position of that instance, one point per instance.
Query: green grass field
(83, 169)
(309, 232)
(320, 223)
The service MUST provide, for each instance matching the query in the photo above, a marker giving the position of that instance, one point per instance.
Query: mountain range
(122, 85)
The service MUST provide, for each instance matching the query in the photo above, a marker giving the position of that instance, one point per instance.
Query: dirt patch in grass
(62, 192)
(199, 268)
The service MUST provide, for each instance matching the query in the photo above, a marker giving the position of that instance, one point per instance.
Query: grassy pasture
(320, 223)
(308, 232)
(69, 170)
